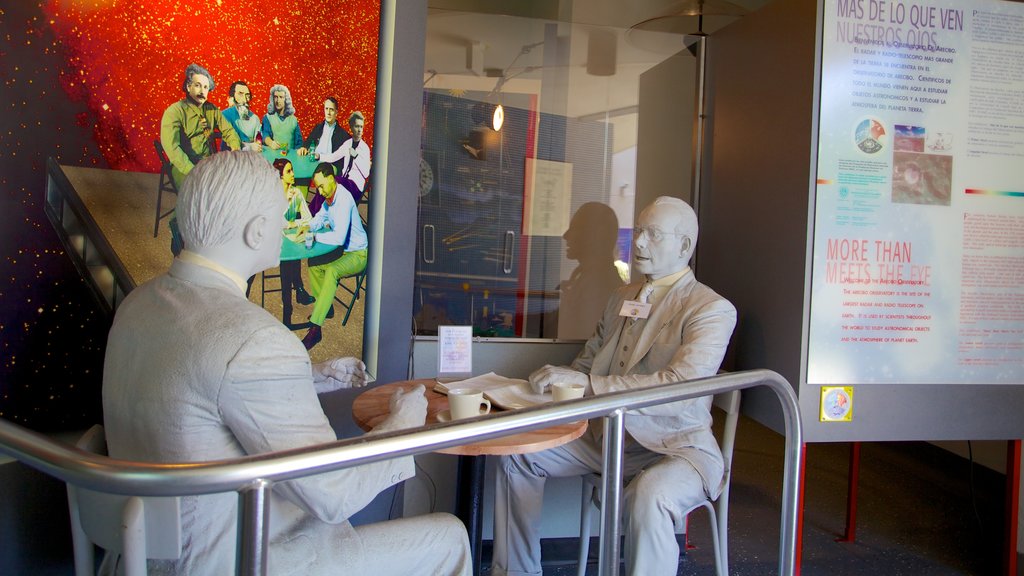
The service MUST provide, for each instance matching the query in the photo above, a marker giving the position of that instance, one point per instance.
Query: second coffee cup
(565, 391)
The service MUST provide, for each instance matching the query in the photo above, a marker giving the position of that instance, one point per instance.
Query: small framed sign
(454, 351)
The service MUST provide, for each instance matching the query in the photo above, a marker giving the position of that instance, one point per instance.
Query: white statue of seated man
(665, 328)
(195, 372)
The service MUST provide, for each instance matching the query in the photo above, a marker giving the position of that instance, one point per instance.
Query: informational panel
(918, 245)
(765, 230)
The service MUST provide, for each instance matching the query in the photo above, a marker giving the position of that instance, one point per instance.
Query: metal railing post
(253, 529)
(611, 493)
(791, 474)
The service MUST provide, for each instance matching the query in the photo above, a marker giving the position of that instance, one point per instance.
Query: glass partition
(524, 227)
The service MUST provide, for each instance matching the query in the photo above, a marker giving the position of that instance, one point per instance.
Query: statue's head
(665, 237)
(232, 201)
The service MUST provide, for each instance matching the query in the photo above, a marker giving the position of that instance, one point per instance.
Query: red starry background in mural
(86, 82)
(126, 60)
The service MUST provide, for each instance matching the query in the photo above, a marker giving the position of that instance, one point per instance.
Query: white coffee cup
(566, 391)
(467, 403)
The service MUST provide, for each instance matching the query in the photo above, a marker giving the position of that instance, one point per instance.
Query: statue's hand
(408, 410)
(543, 378)
(339, 373)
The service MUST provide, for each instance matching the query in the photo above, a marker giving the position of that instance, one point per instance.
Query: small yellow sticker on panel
(836, 403)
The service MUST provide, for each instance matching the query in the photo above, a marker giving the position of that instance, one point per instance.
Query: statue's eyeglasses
(653, 234)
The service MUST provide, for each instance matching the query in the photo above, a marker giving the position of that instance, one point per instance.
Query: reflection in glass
(524, 231)
(591, 241)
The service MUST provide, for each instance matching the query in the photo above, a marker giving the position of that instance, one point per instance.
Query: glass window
(525, 226)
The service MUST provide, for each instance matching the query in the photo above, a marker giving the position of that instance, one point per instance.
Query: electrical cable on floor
(974, 501)
(394, 499)
(431, 488)
(412, 350)
(421, 472)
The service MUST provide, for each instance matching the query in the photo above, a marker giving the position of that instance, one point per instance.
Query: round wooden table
(371, 407)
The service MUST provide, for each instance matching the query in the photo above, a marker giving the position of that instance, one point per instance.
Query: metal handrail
(253, 477)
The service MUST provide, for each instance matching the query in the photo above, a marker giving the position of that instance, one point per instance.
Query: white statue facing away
(195, 372)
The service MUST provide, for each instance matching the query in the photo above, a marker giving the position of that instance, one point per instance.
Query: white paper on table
(506, 393)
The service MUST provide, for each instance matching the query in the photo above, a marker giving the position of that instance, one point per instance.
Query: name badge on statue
(634, 309)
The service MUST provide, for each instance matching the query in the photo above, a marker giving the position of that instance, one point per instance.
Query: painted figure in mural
(280, 126)
(338, 223)
(325, 139)
(665, 328)
(591, 242)
(352, 158)
(187, 131)
(296, 215)
(327, 136)
(195, 372)
(242, 118)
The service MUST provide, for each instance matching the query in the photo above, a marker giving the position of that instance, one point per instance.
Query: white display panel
(918, 246)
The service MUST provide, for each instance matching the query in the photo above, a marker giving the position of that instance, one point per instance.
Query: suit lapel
(661, 316)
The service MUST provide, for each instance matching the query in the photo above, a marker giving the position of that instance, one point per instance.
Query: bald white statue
(666, 328)
(195, 372)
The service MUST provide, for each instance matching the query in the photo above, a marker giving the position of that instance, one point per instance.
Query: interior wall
(664, 165)
(754, 197)
(510, 357)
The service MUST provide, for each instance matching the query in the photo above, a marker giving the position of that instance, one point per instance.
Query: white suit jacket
(195, 372)
(685, 337)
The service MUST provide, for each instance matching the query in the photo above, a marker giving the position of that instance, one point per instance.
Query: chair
(351, 294)
(718, 510)
(135, 527)
(166, 185)
(367, 188)
(263, 285)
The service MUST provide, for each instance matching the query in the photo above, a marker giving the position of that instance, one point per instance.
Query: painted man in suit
(666, 328)
(195, 372)
(327, 136)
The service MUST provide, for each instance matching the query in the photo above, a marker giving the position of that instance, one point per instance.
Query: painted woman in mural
(296, 216)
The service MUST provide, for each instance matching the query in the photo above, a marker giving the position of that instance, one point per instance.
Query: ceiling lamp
(498, 118)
